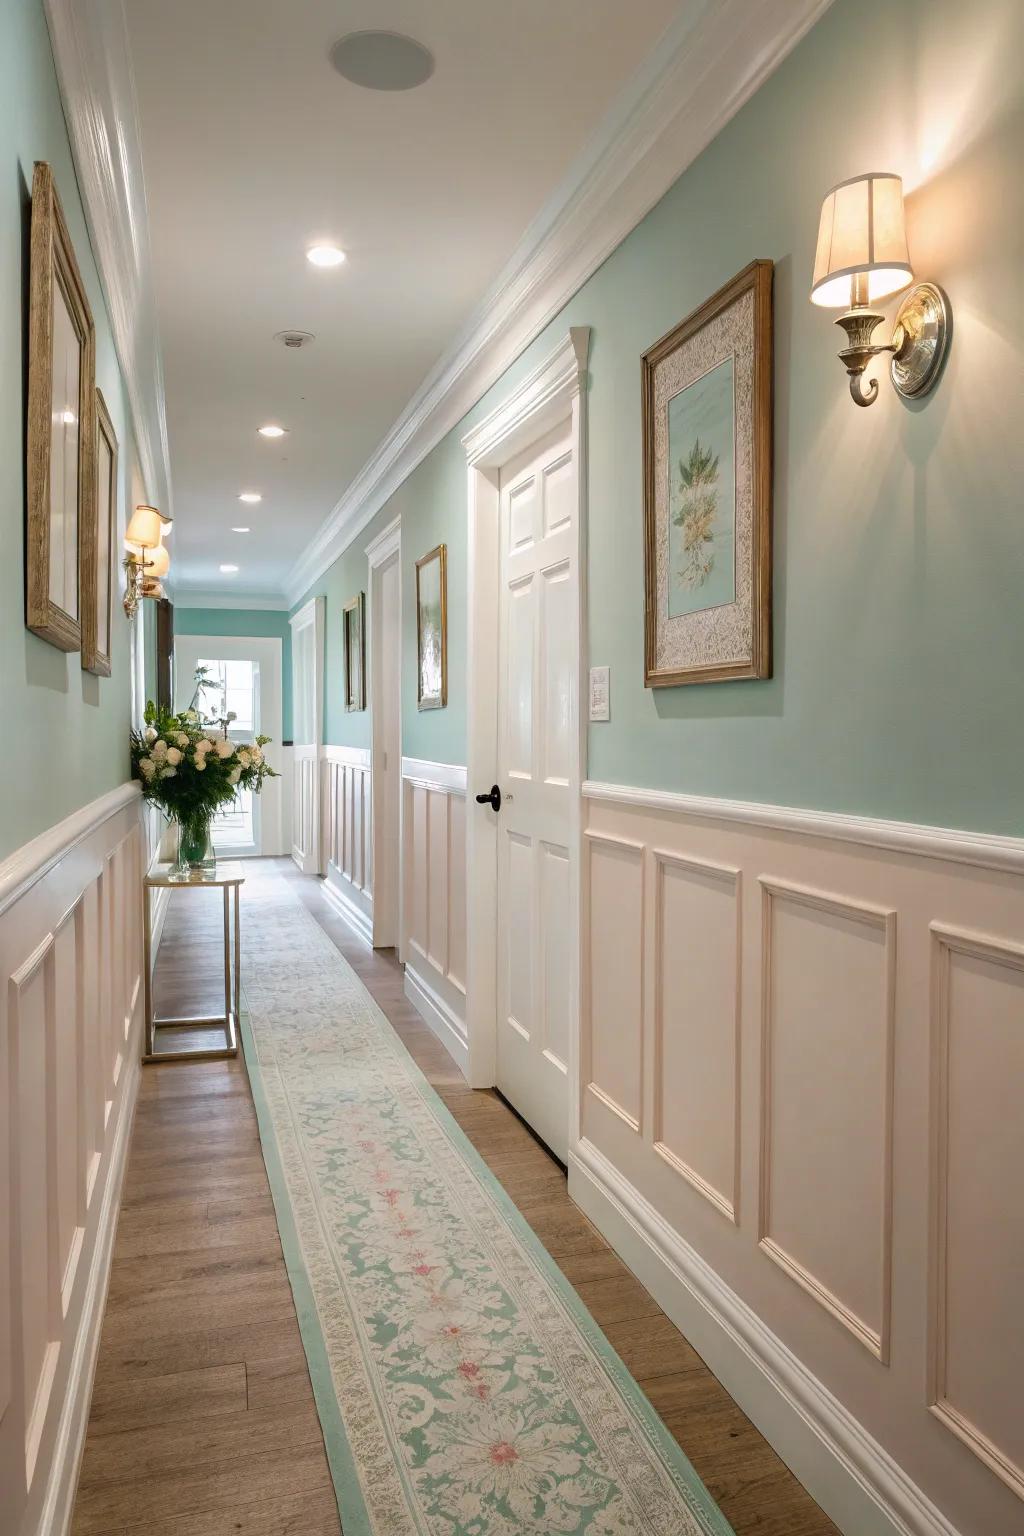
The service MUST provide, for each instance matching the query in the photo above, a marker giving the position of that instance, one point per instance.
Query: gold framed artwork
(353, 618)
(432, 629)
(707, 436)
(61, 432)
(99, 534)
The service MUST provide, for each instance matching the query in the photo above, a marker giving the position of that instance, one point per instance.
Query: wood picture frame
(99, 540)
(432, 629)
(353, 618)
(708, 586)
(61, 431)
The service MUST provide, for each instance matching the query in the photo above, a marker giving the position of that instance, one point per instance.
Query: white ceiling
(254, 148)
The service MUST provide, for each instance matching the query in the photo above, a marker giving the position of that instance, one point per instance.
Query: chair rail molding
(97, 86)
(983, 849)
(710, 60)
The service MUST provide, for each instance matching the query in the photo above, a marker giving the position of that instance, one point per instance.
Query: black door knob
(492, 798)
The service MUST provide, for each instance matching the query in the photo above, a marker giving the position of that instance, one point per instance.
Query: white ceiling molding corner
(94, 70)
(202, 597)
(707, 65)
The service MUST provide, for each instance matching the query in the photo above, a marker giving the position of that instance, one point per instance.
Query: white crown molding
(547, 391)
(709, 62)
(982, 849)
(387, 543)
(196, 597)
(97, 86)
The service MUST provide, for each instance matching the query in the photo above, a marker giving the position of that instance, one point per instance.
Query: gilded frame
(756, 660)
(54, 273)
(353, 619)
(101, 516)
(440, 699)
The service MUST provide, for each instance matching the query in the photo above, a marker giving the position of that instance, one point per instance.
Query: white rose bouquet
(190, 769)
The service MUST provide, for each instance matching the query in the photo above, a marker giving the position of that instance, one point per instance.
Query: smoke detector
(295, 339)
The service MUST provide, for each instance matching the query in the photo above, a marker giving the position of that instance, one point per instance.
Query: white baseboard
(359, 921)
(856, 1482)
(436, 1013)
(62, 1481)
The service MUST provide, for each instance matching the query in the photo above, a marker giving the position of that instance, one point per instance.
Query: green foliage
(190, 769)
(695, 514)
(701, 468)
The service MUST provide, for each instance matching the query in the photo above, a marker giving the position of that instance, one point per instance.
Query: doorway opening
(384, 556)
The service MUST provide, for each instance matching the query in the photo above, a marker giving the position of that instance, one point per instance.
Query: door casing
(551, 393)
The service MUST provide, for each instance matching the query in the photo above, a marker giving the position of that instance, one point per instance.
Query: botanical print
(431, 619)
(65, 428)
(702, 493)
(463, 1388)
(354, 622)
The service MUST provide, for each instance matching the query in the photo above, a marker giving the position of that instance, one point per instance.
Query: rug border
(355, 1517)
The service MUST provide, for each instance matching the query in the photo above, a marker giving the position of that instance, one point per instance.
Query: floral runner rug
(462, 1386)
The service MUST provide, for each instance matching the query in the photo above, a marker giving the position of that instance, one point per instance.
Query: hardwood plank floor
(202, 1420)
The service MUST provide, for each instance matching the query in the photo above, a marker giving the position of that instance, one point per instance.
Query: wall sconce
(862, 257)
(147, 561)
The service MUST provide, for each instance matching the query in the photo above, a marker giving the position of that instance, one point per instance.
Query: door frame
(267, 650)
(311, 616)
(552, 393)
(387, 546)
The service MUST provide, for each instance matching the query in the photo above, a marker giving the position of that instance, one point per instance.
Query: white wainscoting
(802, 1070)
(434, 898)
(306, 808)
(70, 1040)
(346, 818)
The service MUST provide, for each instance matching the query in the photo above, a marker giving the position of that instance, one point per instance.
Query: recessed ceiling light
(382, 61)
(240, 530)
(325, 255)
(228, 570)
(250, 496)
(270, 430)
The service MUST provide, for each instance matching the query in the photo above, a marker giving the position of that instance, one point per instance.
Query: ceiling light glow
(250, 496)
(240, 530)
(271, 430)
(325, 255)
(228, 570)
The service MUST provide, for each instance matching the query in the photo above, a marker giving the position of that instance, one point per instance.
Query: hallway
(203, 1419)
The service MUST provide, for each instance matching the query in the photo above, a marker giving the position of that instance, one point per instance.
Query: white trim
(435, 1012)
(27, 864)
(851, 1476)
(540, 401)
(359, 921)
(65, 1460)
(187, 598)
(97, 86)
(982, 849)
(387, 543)
(696, 79)
(357, 757)
(448, 776)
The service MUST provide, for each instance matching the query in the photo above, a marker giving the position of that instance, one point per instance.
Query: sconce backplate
(923, 318)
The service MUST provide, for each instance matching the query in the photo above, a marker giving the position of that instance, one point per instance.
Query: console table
(229, 879)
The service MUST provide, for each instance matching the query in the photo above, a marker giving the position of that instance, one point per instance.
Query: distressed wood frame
(440, 552)
(355, 688)
(102, 504)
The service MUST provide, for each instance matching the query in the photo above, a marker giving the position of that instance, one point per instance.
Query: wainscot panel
(813, 1026)
(70, 1040)
(346, 819)
(434, 898)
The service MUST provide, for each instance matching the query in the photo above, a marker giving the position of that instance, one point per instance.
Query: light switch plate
(600, 693)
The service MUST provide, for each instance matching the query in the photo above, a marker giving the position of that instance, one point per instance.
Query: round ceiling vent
(295, 339)
(382, 61)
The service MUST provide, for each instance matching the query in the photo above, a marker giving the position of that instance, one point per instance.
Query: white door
(385, 673)
(537, 730)
(244, 679)
(307, 729)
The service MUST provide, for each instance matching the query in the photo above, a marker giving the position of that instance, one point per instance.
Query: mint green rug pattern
(463, 1388)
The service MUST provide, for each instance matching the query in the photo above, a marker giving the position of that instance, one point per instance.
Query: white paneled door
(537, 733)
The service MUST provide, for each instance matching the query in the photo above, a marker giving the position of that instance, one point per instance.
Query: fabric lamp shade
(158, 563)
(862, 243)
(144, 529)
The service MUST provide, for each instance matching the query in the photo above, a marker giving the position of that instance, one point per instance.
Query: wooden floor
(202, 1418)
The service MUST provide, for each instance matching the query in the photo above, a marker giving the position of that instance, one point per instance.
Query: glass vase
(195, 846)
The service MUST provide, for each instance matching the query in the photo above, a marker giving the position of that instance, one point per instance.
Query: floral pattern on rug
(476, 1395)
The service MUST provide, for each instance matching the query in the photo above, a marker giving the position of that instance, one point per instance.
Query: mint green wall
(265, 623)
(899, 557)
(65, 731)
